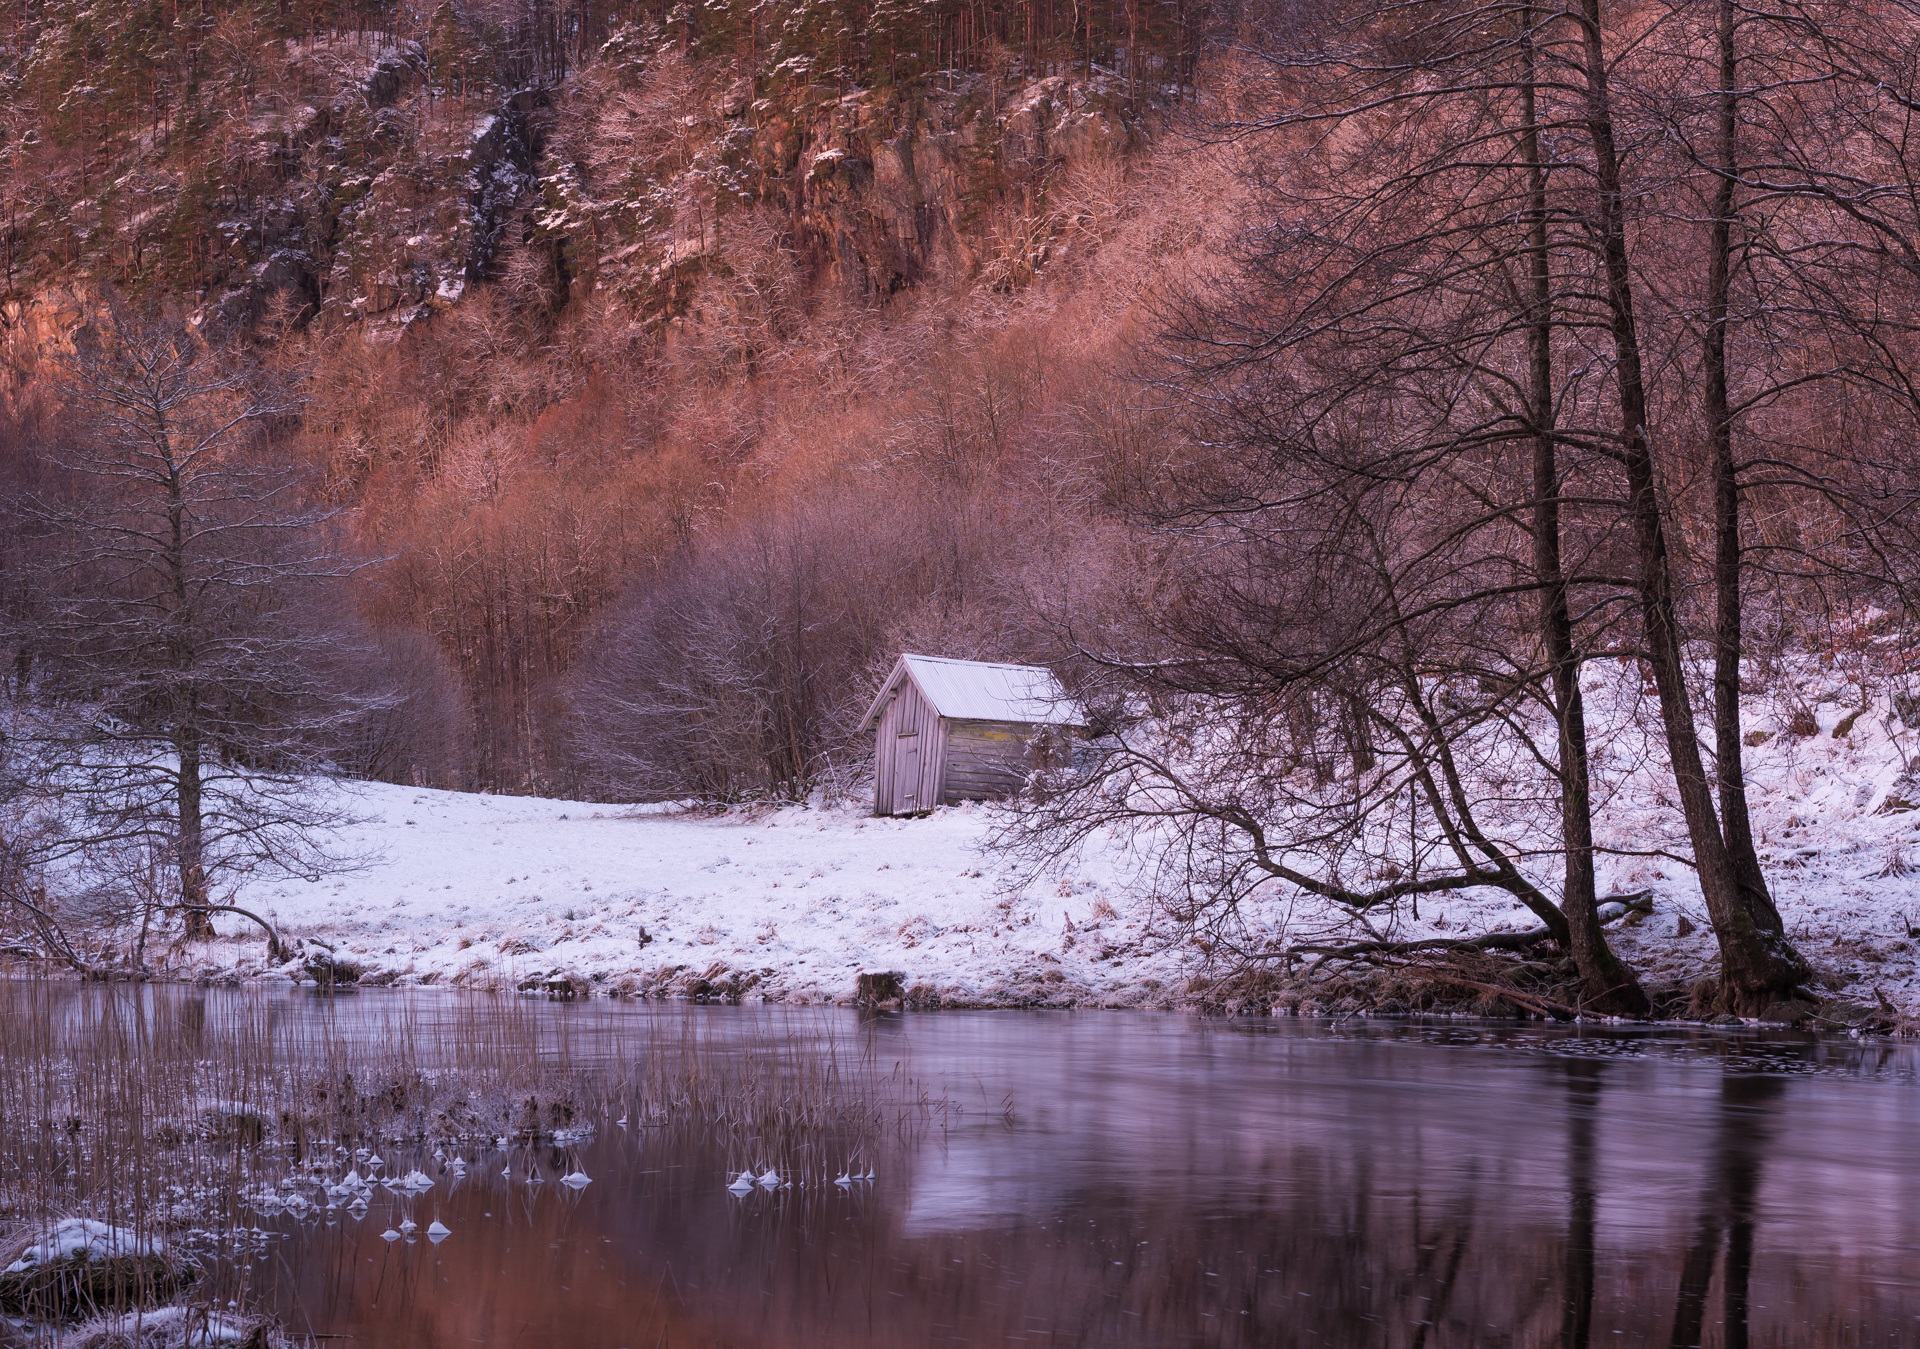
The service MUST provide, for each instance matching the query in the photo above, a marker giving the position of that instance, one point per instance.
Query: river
(1133, 1179)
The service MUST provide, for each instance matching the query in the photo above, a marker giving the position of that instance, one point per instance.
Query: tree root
(1531, 1002)
(1527, 971)
(276, 952)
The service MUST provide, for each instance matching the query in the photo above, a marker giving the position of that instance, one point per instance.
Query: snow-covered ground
(494, 891)
(1842, 860)
(501, 892)
(1840, 851)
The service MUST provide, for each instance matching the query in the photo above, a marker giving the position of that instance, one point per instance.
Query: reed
(168, 1113)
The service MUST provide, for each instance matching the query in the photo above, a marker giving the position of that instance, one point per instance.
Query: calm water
(1121, 1179)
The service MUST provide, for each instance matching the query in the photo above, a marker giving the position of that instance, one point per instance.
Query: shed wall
(985, 759)
(909, 754)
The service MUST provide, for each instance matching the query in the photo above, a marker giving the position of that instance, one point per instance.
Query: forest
(1419, 433)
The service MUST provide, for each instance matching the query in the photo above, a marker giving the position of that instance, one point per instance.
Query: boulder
(1904, 794)
(1843, 1012)
(329, 971)
(1790, 1012)
(878, 987)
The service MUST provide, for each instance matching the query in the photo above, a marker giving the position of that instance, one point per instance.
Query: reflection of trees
(1445, 1275)
(1467, 1217)
(1726, 1211)
(1576, 1289)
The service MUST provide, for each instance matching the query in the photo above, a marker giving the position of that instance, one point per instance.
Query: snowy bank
(793, 904)
(83, 1239)
(508, 892)
(77, 1266)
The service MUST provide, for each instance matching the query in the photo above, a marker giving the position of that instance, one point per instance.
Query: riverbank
(787, 905)
(793, 904)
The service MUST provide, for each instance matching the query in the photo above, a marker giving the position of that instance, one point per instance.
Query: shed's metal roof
(978, 690)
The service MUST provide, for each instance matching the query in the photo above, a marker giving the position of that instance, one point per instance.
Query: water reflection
(1576, 1289)
(1723, 1232)
(1142, 1181)
(1726, 1212)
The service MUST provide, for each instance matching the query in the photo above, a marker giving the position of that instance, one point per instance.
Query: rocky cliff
(349, 188)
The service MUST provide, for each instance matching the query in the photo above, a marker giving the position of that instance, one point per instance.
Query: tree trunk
(1756, 967)
(190, 839)
(1607, 985)
(193, 866)
(1737, 825)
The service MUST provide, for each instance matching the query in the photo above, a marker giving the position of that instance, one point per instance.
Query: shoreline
(794, 903)
(1297, 1002)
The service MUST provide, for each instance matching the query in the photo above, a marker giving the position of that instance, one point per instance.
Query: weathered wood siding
(985, 759)
(909, 754)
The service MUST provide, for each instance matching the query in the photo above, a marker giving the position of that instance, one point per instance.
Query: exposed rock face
(377, 201)
(414, 238)
(41, 324)
(894, 189)
(876, 190)
(385, 204)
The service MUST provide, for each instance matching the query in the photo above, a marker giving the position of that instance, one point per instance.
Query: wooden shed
(959, 730)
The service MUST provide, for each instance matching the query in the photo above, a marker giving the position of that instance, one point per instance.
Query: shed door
(906, 773)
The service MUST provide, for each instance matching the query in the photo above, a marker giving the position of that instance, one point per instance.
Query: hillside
(567, 303)
(360, 195)
(1457, 476)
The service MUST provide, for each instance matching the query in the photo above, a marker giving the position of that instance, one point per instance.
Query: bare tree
(718, 682)
(1409, 316)
(1495, 224)
(186, 622)
(743, 673)
(1774, 178)
(1343, 710)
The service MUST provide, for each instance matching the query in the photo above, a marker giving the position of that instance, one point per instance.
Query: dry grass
(167, 1111)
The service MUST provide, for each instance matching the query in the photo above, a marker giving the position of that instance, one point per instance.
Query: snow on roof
(978, 690)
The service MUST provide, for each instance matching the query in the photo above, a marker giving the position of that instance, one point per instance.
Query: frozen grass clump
(175, 1328)
(76, 1267)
